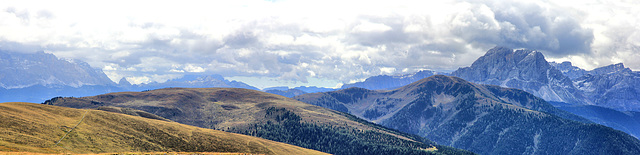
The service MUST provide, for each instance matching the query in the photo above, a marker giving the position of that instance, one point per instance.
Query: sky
(321, 43)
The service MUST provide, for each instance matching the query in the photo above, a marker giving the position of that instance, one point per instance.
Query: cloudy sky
(267, 43)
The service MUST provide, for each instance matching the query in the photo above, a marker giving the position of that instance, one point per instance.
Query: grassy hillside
(28, 127)
(265, 115)
(481, 118)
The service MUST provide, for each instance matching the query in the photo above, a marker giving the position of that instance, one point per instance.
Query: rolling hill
(485, 119)
(267, 116)
(29, 127)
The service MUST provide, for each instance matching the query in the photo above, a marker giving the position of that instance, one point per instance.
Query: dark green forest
(288, 128)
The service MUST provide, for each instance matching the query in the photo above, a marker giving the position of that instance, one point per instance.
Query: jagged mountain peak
(511, 55)
(499, 50)
(22, 70)
(522, 69)
(569, 70)
(124, 82)
(503, 63)
(613, 68)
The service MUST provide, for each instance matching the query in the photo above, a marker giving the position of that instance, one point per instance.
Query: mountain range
(448, 110)
(21, 70)
(265, 115)
(562, 84)
(192, 81)
(568, 87)
(522, 69)
(485, 119)
(35, 77)
(613, 86)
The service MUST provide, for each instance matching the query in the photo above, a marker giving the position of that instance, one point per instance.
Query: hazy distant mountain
(522, 69)
(282, 88)
(313, 89)
(485, 119)
(21, 70)
(267, 116)
(195, 81)
(35, 77)
(385, 82)
(286, 93)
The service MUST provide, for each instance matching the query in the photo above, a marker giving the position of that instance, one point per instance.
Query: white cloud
(297, 40)
(193, 68)
(367, 26)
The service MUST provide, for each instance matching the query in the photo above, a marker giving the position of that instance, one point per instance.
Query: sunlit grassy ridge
(267, 116)
(28, 127)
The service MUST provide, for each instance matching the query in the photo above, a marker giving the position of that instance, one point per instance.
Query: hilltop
(28, 127)
(268, 116)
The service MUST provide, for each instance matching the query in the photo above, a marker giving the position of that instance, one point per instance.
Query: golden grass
(28, 127)
(250, 104)
(132, 153)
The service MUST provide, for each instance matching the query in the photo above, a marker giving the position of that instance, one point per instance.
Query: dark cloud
(395, 34)
(552, 29)
(241, 40)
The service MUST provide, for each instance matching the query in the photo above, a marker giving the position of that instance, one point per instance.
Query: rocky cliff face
(612, 86)
(569, 70)
(522, 69)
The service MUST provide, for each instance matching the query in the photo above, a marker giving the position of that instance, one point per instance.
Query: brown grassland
(35, 128)
(221, 108)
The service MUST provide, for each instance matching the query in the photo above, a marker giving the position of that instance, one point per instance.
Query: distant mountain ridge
(21, 70)
(485, 119)
(613, 86)
(286, 93)
(36, 77)
(382, 82)
(194, 81)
